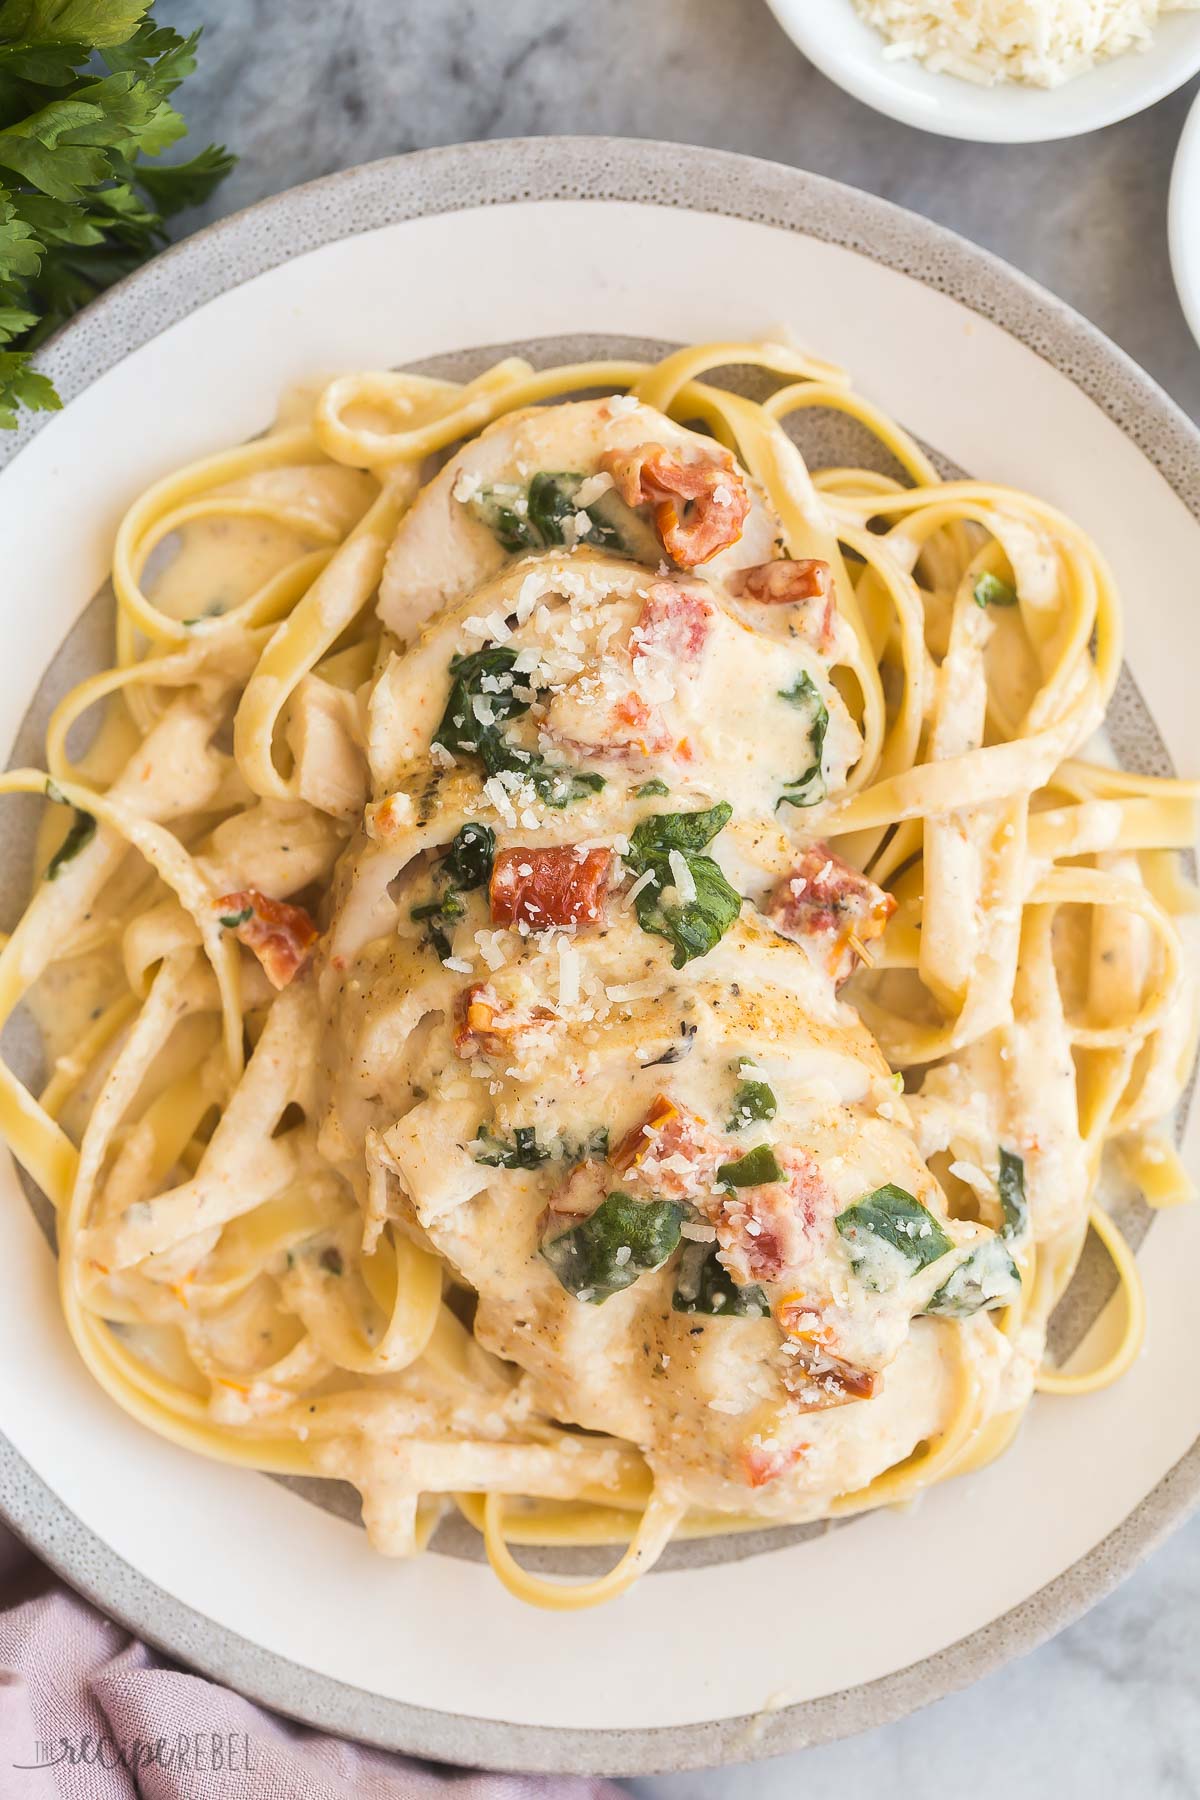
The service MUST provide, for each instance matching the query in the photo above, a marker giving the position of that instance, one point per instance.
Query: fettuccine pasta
(604, 986)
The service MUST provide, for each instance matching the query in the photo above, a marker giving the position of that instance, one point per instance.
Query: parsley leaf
(22, 386)
(694, 926)
(180, 185)
(85, 90)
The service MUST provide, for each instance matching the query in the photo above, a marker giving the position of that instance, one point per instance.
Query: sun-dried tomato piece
(815, 1376)
(557, 885)
(828, 906)
(816, 1379)
(765, 1230)
(675, 623)
(280, 935)
(487, 1027)
(806, 582)
(766, 1461)
(699, 506)
(672, 1149)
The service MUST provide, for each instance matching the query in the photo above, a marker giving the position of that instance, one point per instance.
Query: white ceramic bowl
(1184, 220)
(850, 52)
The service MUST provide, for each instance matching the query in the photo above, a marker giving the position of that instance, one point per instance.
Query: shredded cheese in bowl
(1041, 42)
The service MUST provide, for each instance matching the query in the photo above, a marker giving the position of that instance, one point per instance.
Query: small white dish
(850, 52)
(1184, 220)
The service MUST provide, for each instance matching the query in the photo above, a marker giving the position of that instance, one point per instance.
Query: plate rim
(459, 178)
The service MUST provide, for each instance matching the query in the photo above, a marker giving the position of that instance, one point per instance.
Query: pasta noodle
(438, 951)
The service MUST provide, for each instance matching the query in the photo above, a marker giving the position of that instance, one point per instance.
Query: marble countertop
(1112, 1706)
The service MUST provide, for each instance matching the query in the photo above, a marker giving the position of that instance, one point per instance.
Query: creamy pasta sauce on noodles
(597, 990)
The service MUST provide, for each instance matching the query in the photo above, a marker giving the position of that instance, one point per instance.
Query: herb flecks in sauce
(989, 590)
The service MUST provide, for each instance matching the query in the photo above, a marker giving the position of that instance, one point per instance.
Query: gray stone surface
(302, 87)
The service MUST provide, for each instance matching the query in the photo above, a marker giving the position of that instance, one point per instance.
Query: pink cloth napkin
(76, 1691)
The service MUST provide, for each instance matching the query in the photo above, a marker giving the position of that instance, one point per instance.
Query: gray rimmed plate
(731, 1651)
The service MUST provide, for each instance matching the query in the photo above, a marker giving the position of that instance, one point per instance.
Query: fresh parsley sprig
(85, 98)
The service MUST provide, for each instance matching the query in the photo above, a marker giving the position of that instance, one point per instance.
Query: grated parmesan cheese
(1041, 42)
(685, 885)
(568, 973)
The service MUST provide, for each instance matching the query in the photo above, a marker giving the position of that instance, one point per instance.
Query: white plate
(833, 35)
(1184, 220)
(781, 1644)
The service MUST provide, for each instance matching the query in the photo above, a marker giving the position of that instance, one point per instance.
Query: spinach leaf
(989, 590)
(447, 907)
(466, 865)
(623, 1239)
(693, 927)
(704, 1285)
(810, 787)
(886, 1221)
(522, 1152)
(657, 789)
(552, 501)
(81, 833)
(752, 1101)
(533, 518)
(1010, 1185)
(594, 1145)
(504, 509)
(989, 1277)
(687, 832)
(468, 862)
(460, 729)
(555, 785)
(752, 1170)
